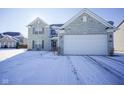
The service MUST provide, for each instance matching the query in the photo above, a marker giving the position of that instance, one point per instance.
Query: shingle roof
(12, 33)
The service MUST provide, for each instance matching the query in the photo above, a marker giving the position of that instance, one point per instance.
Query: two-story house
(38, 35)
(84, 34)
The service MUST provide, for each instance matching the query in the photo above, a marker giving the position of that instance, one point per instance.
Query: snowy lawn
(7, 53)
(42, 67)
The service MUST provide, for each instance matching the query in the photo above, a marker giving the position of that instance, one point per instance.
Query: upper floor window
(41, 31)
(38, 22)
(84, 19)
(38, 30)
(111, 36)
(33, 30)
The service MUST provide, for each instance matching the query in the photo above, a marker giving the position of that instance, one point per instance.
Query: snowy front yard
(7, 53)
(42, 67)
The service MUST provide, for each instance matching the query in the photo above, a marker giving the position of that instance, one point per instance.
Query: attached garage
(86, 34)
(85, 44)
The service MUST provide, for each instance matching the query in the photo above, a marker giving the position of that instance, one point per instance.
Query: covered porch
(54, 44)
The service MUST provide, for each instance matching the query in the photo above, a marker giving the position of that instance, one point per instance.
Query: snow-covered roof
(87, 11)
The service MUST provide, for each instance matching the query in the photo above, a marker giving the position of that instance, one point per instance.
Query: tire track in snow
(106, 67)
(74, 70)
(113, 64)
(122, 62)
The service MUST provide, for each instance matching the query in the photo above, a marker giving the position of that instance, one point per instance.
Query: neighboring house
(15, 40)
(16, 35)
(119, 38)
(8, 42)
(84, 34)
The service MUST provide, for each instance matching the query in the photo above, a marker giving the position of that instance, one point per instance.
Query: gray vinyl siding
(92, 26)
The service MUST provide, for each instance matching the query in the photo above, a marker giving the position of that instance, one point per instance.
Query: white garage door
(85, 44)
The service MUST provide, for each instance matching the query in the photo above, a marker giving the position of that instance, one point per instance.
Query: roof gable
(87, 11)
(36, 21)
(9, 37)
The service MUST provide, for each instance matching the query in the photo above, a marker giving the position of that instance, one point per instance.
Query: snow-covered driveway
(42, 67)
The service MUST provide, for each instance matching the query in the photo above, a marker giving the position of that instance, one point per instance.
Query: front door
(54, 45)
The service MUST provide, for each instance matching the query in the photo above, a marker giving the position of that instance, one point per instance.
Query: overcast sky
(17, 19)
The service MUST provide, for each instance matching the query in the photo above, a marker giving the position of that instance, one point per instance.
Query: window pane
(84, 19)
(42, 29)
(33, 30)
(42, 44)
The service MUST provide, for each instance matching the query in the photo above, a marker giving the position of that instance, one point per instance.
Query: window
(33, 30)
(33, 44)
(111, 36)
(38, 22)
(41, 32)
(84, 19)
(42, 44)
(4, 43)
(36, 32)
(8, 44)
(54, 43)
(13, 44)
(42, 29)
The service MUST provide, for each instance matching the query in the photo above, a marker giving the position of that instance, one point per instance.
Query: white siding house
(38, 35)
(8, 42)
